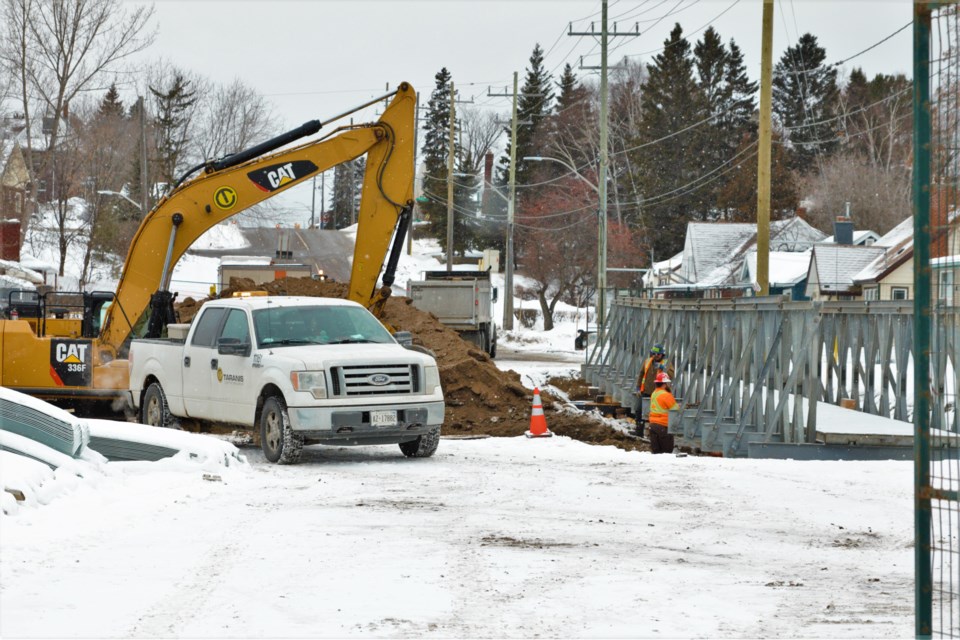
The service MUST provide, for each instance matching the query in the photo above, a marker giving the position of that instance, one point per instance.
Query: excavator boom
(225, 188)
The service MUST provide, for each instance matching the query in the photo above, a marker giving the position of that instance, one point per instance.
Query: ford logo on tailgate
(378, 379)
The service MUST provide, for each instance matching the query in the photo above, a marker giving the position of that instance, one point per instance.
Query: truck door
(199, 364)
(232, 383)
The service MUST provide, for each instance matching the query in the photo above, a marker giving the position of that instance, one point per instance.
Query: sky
(316, 59)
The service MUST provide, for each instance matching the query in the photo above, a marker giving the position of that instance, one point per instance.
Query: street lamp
(104, 192)
(601, 243)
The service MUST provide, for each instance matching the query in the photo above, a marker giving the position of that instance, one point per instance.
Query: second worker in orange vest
(660, 404)
(653, 365)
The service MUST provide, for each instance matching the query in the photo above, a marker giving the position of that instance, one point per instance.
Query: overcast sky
(313, 59)
(316, 59)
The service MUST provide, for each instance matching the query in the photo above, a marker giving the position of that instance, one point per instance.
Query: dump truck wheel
(154, 411)
(493, 343)
(278, 441)
(423, 446)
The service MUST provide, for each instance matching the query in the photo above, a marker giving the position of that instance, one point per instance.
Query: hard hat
(662, 378)
(656, 349)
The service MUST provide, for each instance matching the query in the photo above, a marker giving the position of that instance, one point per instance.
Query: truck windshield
(279, 326)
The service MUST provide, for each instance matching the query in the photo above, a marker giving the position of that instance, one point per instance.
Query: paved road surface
(327, 250)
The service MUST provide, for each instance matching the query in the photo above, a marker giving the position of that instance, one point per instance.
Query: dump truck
(461, 300)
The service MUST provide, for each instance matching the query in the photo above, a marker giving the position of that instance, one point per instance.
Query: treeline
(682, 147)
(59, 100)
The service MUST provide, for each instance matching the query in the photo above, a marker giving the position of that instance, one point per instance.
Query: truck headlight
(314, 382)
(431, 379)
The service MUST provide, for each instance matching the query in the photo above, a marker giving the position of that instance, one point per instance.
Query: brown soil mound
(480, 398)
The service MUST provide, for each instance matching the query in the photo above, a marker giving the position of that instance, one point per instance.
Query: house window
(898, 293)
(871, 293)
(945, 282)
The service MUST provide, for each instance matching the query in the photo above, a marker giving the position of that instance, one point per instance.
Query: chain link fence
(937, 298)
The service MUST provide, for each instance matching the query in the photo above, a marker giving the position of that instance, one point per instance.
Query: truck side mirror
(405, 338)
(233, 347)
(496, 294)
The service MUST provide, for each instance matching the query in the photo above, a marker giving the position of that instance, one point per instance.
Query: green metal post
(923, 559)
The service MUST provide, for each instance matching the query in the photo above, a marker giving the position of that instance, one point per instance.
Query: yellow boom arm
(191, 209)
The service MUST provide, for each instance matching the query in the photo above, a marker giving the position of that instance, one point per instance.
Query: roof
(898, 248)
(18, 271)
(865, 236)
(836, 265)
(714, 251)
(786, 268)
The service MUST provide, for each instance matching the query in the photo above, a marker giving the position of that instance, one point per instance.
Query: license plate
(383, 418)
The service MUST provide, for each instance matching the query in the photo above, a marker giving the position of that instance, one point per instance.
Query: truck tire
(423, 446)
(483, 338)
(279, 442)
(154, 410)
(493, 342)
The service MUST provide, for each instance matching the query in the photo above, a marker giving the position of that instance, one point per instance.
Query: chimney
(10, 240)
(487, 181)
(843, 230)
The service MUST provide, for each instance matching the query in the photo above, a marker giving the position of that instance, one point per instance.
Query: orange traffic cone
(538, 422)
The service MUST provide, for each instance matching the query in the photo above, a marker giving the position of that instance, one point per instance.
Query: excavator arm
(238, 182)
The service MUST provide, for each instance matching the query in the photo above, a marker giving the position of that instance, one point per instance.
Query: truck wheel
(493, 343)
(154, 411)
(278, 441)
(424, 446)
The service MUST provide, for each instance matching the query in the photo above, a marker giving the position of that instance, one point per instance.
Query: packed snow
(496, 537)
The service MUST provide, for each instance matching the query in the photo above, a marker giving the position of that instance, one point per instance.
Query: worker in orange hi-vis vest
(653, 365)
(660, 403)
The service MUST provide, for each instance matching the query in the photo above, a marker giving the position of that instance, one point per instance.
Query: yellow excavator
(58, 352)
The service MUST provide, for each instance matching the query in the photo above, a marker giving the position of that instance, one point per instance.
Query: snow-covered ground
(489, 538)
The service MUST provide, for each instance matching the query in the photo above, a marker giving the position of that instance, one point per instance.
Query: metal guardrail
(747, 368)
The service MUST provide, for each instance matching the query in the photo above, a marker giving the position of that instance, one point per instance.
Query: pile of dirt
(480, 398)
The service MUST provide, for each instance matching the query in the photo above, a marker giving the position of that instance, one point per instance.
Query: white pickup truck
(302, 369)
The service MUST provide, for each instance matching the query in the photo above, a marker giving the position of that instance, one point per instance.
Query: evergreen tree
(534, 105)
(111, 106)
(665, 166)
(171, 125)
(805, 101)
(741, 96)
(436, 149)
(570, 127)
(728, 102)
(466, 207)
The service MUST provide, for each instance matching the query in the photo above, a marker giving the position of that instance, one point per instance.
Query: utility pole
(450, 153)
(313, 201)
(323, 196)
(511, 205)
(144, 179)
(605, 35)
(763, 150)
(451, 157)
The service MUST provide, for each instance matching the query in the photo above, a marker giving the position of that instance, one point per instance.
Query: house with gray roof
(833, 267)
(714, 255)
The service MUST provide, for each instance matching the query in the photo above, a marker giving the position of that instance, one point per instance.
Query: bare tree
(479, 132)
(231, 118)
(559, 243)
(879, 199)
(58, 49)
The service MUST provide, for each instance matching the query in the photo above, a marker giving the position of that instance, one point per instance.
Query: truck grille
(375, 380)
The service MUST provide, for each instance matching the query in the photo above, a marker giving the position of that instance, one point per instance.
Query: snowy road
(495, 537)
